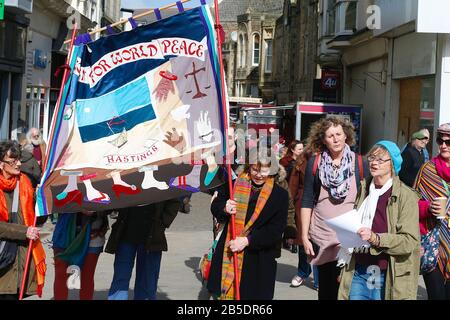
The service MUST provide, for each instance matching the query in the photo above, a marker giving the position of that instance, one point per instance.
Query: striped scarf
(242, 190)
(430, 185)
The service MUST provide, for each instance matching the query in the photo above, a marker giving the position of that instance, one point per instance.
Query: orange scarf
(26, 200)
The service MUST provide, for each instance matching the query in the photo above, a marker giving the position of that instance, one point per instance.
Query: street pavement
(189, 237)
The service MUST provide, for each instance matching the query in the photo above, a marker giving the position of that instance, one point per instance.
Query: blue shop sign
(40, 59)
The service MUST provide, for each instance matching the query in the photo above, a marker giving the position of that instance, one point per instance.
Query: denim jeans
(148, 265)
(368, 283)
(304, 268)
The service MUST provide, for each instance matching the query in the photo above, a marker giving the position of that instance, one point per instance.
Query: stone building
(394, 59)
(249, 26)
(13, 41)
(295, 47)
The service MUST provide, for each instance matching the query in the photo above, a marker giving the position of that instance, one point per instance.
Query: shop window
(12, 40)
(427, 108)
(37, 103)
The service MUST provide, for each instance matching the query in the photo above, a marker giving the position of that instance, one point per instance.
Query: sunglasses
(440, 141)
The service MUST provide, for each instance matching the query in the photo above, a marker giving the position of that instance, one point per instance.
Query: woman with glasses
(433, 183)
(331, 183)
(387, 268)
(260, 207)
(16, 225)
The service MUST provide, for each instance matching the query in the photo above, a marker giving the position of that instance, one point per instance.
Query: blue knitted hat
(394, 152)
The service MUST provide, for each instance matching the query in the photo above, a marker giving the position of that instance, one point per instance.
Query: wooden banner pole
(143, 14)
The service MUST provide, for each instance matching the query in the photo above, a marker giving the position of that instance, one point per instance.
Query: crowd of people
(397, 198)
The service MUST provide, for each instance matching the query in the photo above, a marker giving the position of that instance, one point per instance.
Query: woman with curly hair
(332, 179)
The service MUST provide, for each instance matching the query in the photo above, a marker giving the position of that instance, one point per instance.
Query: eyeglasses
(378, 160)
(440, 141)
(11, 162)
(263, 173)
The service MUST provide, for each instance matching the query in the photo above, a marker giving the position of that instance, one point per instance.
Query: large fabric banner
(141, 120)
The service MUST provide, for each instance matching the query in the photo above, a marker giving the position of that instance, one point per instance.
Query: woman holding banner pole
(16, 226)
(260, 208)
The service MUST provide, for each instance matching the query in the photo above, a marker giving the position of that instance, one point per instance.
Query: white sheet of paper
(345, 227)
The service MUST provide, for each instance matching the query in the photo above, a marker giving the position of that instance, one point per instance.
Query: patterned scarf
(430, 185)
(337, 179)
(242, 190)
(26, 200)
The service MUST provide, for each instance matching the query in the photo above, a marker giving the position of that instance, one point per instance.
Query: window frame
(254, 35)
(266, 53)
(341, 15)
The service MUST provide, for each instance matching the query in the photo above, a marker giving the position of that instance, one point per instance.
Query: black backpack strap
(315, 172)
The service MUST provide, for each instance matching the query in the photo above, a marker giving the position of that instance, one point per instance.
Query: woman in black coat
(266, 204)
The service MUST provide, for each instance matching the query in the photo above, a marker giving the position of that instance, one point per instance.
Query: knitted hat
(444, 128)
(394, 152)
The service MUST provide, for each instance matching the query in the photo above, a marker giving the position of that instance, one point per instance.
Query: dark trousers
(12, 297)
(328, 281)
(304, 268)
(437, 287)
(9, 297)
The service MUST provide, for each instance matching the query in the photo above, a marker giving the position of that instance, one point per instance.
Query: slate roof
(230, 9)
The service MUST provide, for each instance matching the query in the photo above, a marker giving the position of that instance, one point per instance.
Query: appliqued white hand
(204, 127)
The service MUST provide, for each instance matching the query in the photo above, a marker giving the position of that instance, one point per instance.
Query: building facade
(248, 48)
(295, 47)
(51, 24)
(13, 41)
(38, 29)
(393, 66)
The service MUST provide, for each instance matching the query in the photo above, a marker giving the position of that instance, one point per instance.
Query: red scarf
(26, 200)
(441, 168)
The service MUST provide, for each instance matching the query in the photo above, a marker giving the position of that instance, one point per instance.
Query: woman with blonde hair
(332, 177)
(388, 267)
